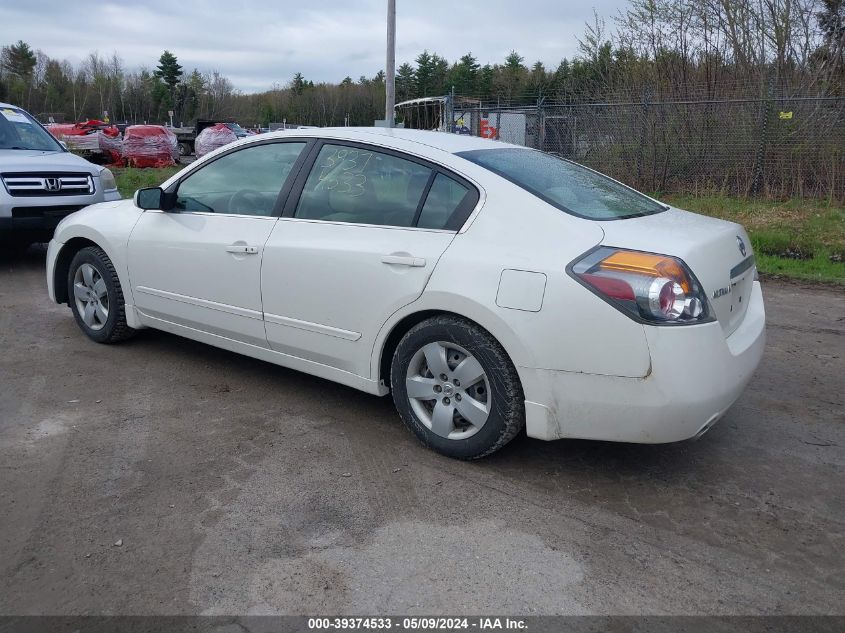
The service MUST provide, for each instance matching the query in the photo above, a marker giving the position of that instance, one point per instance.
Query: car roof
(444, 141)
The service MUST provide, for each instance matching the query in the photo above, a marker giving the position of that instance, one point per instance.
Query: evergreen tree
(424, 74)
(406, 79)
(464, 75)
(57, 87)
(168, 70)
(298, 84)
(161, 98)
(512, 76)
(165, 93)
(195, 89)
(538, 80)
(19, 60)
(562, 77)
(485, 80)
(439, 75)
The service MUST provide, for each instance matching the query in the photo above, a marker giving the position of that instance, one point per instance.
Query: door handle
(242, 249)
(403, 260)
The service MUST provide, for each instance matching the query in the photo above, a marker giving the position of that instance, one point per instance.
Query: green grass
(130, 179)
(800, 239)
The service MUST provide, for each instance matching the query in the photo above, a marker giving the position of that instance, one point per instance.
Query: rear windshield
(564, 184)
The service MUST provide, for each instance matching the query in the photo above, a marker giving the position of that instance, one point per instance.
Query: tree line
(652, 49)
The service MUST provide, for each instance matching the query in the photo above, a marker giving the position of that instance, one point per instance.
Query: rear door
(359, 242)
(199, 265)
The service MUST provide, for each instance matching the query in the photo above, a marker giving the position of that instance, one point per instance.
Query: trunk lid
(713, 250)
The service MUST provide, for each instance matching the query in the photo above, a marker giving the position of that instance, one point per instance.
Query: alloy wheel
(91, 296)
(448, 390)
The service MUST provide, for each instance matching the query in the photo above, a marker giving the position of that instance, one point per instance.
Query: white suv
(41, 181)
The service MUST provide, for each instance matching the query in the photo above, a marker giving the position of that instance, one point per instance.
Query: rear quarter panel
(573, 330)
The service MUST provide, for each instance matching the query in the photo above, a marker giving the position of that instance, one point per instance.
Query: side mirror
(153, 198)
(149, 198)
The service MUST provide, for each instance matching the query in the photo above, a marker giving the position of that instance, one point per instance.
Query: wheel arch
(402, 321)
(62, 266)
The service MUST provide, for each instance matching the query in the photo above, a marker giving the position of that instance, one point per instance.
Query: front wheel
(456, 388)
(96, 298)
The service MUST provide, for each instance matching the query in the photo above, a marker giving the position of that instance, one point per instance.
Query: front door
(359, 243)
(199, 265)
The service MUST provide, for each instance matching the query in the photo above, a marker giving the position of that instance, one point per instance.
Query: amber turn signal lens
(647, 264)
(654, 288)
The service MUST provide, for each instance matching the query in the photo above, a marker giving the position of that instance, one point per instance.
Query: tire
(439, 421)
(106, 321)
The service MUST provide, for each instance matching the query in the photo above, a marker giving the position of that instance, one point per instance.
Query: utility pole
(390, 70)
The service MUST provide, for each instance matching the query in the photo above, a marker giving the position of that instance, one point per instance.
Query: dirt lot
(238, 487)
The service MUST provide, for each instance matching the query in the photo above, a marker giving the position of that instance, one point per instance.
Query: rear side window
(445, 197)
(566, 185)
(348, 184)
(361, 185)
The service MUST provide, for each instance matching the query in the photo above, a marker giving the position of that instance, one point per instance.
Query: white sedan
(487, 287)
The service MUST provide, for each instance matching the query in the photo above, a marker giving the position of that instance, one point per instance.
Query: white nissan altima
(486, 286)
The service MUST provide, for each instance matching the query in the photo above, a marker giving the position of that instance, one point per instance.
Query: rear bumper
(696, 375)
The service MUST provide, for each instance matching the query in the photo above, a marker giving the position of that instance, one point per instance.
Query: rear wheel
(456, 389)
(96, 298)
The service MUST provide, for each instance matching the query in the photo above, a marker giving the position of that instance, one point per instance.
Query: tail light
(654, 288)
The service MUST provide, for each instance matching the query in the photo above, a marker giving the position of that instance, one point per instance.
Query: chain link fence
(776, 147)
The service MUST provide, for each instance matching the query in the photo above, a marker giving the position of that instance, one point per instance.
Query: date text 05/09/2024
(416, 623)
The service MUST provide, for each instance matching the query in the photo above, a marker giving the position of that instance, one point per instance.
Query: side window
(444, 198)
(349, 184)
(245, 182)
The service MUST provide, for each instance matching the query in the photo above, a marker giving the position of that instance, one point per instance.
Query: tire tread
(508, 387)
(121, 330)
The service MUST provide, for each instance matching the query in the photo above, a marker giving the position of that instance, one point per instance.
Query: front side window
(566, 185)
(245, 182)
(349, 184)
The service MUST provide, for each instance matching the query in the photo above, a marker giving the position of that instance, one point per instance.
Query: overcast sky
(260, 43)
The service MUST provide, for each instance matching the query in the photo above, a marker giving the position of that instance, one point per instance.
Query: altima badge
(741, 245)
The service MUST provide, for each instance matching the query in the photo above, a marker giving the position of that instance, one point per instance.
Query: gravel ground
(162, 476)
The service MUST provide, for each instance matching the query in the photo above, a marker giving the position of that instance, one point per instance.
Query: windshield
(237, 129)
(564, 184)
(18, 130)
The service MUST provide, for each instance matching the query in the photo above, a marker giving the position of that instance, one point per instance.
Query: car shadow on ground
(34, 254)
(375, 419)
